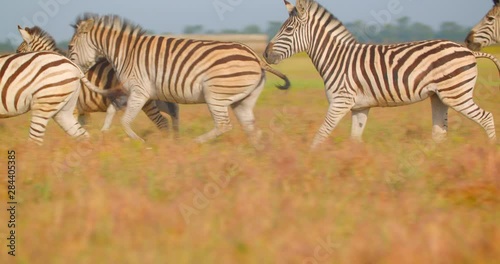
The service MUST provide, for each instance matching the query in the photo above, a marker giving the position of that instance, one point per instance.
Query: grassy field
(398, 198)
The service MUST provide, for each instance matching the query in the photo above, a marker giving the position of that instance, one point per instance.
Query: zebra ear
(24, 34)
(495, 2)
(289, 7)
(303, 6)
(85, 26)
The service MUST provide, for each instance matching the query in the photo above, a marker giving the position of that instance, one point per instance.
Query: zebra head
(36, 39)
(487, 31)
(293, 37)
(81, 49)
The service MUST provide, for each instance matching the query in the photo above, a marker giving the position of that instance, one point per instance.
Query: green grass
(395, 199)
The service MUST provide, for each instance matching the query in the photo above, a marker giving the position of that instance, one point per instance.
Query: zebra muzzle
(469, 42)
(270, 56)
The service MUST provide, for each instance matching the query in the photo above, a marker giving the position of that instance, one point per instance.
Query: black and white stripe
(220, 74)
(360, 76)
(101, 75)
(45, 83)
(487, 31)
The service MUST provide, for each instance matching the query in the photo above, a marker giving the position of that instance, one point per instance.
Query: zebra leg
(66, 120)
(336, 111)
(244, 112)
(39, 120)
(172, 109)
(110, 113)
(359, 118)
(472, 111)
(153, 112)
(439, 119)
(76, 113)
(80, 115)
(220, 114)
(135, 103)
(70, 125)
(82, 119)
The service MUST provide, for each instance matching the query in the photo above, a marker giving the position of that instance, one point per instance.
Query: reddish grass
(395, 199)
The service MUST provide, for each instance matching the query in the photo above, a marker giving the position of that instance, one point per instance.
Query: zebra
(487, 31)
(102, 75)
(45, 83)
(185, 71)
(360, 76)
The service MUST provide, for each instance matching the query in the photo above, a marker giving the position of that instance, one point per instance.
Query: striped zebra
(45, 83)
(102, 75)
(360, 76)
(487, 31)
(220, 74)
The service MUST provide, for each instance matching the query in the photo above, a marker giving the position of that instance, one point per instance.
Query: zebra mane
(40, 33)
(316, 7)
(320, 7)
(112, 22)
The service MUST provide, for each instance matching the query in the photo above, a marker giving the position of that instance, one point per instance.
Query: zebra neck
(495, 32)
(329, 38)
(54, 48)
(119, 50)
(50, 46)
(330, 46)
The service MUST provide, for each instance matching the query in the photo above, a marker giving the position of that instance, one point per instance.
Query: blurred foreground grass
(398, 198)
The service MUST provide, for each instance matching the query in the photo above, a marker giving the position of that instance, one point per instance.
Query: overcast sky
(55, 16)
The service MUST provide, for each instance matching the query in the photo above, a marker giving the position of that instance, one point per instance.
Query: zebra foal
(220, 74)
(45, 83)
(360, 76)
(101, 75)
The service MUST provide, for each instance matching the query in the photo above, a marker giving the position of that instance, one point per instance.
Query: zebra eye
(490, 18)
(289, 29)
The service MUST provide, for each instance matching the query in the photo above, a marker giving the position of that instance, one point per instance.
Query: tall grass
(398, 198)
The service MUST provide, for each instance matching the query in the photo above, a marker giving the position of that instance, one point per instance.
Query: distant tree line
(404, 30)
(6, 46)
(401, 30)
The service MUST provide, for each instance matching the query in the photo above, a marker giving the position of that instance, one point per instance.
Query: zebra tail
(478, 54)
(268, 68)
(116, 94)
